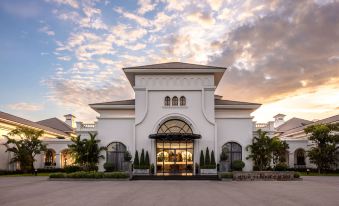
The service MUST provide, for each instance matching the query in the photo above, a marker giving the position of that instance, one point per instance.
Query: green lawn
(23, 175)
(317, 174)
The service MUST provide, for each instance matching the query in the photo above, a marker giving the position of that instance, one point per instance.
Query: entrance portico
(174, 148)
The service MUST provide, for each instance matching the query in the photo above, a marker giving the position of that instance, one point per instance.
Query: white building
(175, 115)
(292, 131)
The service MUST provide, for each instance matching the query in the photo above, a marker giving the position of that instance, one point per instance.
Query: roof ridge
(71, 129)
(34, 124)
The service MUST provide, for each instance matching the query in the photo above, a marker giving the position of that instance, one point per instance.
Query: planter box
(264, 175)
(208, 171)
(141, 171)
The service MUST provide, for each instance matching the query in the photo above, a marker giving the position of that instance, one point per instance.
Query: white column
(58, 160)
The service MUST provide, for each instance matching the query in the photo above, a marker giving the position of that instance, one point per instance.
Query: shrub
(226, 175)
(109, 167)
(136, 163)
(50, 170)
(117, 175)
(152, 168)
(57, 175)
(91, 175)
(202, 159)
(142, 159)
(213, 158)
(147, 164)
(90, 167)
(224, 154)
(7, 172)
(127, 156)
(281, 167)
(72, 168)
(296, 175)
(238, 165)
(207, 157)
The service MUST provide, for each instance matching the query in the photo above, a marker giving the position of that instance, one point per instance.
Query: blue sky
(57, 56)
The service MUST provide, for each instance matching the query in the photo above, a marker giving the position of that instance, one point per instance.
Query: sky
(58, 56)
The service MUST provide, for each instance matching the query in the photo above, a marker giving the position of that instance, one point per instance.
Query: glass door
(174, 157)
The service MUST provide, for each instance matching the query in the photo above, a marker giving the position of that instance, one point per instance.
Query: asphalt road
(39, 191)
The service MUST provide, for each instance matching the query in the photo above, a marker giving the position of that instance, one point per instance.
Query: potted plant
(224, 164)
(141, 167)
(209, 166)
(127, 161)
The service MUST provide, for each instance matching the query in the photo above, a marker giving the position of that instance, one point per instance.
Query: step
(175, 177)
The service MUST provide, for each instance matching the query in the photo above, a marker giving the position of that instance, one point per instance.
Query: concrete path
(39, 191)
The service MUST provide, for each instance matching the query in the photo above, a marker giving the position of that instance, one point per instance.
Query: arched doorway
(66, 158)
(299, 158)
(50, 157)
(115, 155)
(234, 151)
(174, 147)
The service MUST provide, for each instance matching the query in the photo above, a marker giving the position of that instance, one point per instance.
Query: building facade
(292, 131)
(175, 115)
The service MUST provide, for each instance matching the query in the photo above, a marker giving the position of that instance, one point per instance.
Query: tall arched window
(234, 151)
(115, 155)
(182, 101)
(300, 157)
(175, 101)
(167, 101)
(50, 158)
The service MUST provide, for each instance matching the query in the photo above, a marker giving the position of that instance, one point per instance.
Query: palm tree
(26, 148)
(93, 150)
(260, 150)
(87, 151)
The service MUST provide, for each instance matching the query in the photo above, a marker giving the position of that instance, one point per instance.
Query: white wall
(236, 130)
(115, 130)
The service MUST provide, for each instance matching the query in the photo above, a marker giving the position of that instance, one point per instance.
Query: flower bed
(90, 175)
(265, 175)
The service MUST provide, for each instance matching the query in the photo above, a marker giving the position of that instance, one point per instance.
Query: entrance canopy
(174, 136)
(175, 129)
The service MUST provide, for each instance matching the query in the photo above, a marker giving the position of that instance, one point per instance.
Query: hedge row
(91, 175)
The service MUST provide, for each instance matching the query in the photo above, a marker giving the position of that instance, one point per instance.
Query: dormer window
(175, 101)
(182, 101)
(167, 101)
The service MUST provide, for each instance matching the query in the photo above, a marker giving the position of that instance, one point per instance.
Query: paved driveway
(40, 191)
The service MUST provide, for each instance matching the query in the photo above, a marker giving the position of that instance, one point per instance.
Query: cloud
(47, 30)
(145, 6)
(280, 53)
(202, 18)
(24, 106)
(71, 3)
(138, 19)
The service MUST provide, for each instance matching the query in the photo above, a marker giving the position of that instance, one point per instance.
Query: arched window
(115, 155)
(167, 101)
(182, 101)
(50, 158)
(234, 151)
(175, 101)
(175, 126)
(300, 157)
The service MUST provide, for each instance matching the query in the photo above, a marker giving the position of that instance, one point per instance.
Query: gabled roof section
(329, 120)
(56, 123)
(229, 104)
(293, 123)
(121, 104)
(174, 68)
(18, 121)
